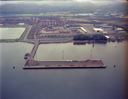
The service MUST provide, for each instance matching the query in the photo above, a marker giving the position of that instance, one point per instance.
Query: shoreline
(51, 42)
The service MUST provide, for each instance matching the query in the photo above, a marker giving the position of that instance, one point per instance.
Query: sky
(69, 0)
(52, 1)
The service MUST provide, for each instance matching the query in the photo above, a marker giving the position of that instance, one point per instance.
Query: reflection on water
(63, 83)
(11, 33)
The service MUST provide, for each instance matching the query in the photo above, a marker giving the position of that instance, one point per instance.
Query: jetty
(69, 64)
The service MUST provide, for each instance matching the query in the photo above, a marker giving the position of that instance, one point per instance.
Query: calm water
(63, 83)
(11, 33)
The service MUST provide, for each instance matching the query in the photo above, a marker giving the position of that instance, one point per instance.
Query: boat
(26, 55)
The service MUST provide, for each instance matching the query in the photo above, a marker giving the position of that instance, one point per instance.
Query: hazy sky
(67, 0)
(57, 1)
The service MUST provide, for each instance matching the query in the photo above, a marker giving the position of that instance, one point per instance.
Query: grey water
(17, 83)
(11, 33)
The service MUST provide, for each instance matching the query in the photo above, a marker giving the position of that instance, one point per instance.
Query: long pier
(34, 64)
(93, 64)
(33, 52)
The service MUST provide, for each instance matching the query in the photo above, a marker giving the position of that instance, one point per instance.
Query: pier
(71, 64)
(33, 52)
(31, 63)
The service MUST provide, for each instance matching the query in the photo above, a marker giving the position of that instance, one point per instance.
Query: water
(68, 51)
(11, 33)
(63, 84)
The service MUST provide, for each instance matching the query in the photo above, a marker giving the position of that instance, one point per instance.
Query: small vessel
(26, 55)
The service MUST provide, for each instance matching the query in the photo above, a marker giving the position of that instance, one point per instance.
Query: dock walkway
(33, 52)
(33, 64)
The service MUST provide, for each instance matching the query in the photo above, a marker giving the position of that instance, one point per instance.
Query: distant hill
(86, 7)
(118, 7)
(24, 8)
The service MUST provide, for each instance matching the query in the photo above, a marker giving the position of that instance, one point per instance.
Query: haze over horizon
(94, 1)
(73, 6)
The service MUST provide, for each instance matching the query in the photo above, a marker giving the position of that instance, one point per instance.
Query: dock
(92, 64)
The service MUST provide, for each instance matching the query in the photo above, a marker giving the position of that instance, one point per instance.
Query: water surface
(11, 33)
(63, 83)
